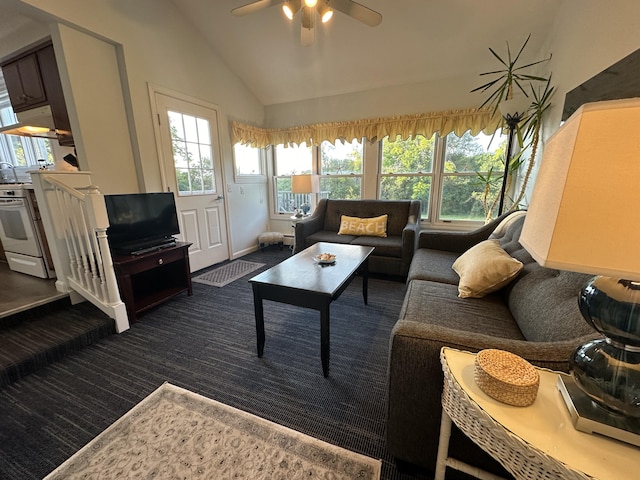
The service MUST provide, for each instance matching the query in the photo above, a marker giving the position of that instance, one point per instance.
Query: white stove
(21, 231)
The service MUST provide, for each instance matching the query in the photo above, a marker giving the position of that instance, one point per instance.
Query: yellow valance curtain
(426, 124)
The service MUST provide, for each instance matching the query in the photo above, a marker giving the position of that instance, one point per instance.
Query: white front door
(192, 166)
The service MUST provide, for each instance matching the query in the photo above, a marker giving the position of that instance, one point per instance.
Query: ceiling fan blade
(357, 11)
(255, 7)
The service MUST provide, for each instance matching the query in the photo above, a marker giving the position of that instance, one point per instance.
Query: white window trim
(251, 177)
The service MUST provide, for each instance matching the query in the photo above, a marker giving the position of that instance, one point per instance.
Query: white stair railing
(75, 220)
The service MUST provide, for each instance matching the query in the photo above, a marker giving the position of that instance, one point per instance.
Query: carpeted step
(35, 338)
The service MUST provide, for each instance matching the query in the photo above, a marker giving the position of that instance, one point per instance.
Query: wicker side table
(534, 442)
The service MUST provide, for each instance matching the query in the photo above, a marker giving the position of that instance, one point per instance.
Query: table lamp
(304, 183)
(584, 216)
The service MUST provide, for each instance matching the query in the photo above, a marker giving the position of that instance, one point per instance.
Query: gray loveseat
(392, 254)
(535, 316)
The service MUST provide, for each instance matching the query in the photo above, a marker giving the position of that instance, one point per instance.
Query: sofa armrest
(411, 233)
(458, 242)
(415, 382)
(306, 227)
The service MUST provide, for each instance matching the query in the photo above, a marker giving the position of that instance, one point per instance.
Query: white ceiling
(417, 41)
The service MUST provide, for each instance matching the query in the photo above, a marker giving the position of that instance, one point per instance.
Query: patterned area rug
(226, 274)
(175, 433)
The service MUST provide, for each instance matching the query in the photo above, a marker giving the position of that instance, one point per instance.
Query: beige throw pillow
(371, 227)
(485, 268)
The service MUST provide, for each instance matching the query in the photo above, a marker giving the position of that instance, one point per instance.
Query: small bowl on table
(325, 258)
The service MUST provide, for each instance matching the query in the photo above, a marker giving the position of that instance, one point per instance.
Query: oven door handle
(11, 202)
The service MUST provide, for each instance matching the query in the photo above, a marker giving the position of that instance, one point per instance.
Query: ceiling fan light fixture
(325, 13)
(290, 8)
(310, 3)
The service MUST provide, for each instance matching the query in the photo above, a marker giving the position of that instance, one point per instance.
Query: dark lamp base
(589, 417)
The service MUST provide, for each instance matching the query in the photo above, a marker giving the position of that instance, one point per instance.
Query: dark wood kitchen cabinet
(24, 83)
(32, 81)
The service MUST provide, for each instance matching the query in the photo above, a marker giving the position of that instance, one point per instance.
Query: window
(192, 154)
(467, 161)
(290, 161)
(406, 170)
(449, 175)
(248, 163)
(339, 166)
(341, 170)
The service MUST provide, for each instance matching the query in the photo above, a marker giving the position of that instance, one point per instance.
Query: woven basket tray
(506, 377)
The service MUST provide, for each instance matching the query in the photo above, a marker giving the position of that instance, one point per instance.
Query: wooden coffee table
(303, 282)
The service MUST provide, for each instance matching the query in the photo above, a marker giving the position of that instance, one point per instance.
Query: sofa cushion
(368, 227)
(438, 304)
(434, 265)
(327, 236)
(508, 234)
(398, 212)
(544, 303)
(503, 227)
(384, 247)
(485, 268)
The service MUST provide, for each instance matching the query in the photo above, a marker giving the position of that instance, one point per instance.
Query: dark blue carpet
(207, 344)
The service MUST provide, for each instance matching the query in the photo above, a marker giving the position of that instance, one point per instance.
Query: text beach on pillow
(584, 217)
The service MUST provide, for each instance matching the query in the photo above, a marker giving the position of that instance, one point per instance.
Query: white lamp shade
(305, 183)
(584, 214)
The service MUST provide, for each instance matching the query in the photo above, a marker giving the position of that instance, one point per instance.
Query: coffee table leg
(324, 339)
(259, 314)
(365, 280)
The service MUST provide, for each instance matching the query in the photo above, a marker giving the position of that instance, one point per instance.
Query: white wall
(588, 37)
(435, 96)
(89, 71)
(153, 44)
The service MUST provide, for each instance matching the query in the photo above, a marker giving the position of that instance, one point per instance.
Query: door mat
(175, 433)
(221, 276)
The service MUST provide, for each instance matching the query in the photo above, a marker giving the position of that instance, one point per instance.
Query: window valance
(426, 124)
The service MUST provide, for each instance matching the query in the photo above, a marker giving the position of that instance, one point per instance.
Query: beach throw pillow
(485, 268)
(371, 227)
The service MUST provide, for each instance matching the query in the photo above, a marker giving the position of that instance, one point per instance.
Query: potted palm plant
(537, 91)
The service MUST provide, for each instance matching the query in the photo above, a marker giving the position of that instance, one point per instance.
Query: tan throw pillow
(485, 268)
(370, 227)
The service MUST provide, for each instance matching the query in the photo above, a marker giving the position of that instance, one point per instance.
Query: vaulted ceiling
(417, 41)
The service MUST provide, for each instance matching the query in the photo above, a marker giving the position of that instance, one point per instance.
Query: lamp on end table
(584, 216)
(304, 184)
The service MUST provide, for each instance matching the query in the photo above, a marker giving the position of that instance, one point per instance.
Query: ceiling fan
(309, 8)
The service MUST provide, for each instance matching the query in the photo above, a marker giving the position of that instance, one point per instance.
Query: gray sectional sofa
(392, 254)
(535, 316)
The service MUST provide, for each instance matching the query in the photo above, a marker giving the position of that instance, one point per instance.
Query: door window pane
(192, 154)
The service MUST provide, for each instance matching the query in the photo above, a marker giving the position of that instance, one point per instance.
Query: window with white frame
(339, 166)
(293, 160)
(248, 163)
(449, 175)
(341, 169)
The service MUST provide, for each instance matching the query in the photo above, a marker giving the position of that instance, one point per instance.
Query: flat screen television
(140, 222)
